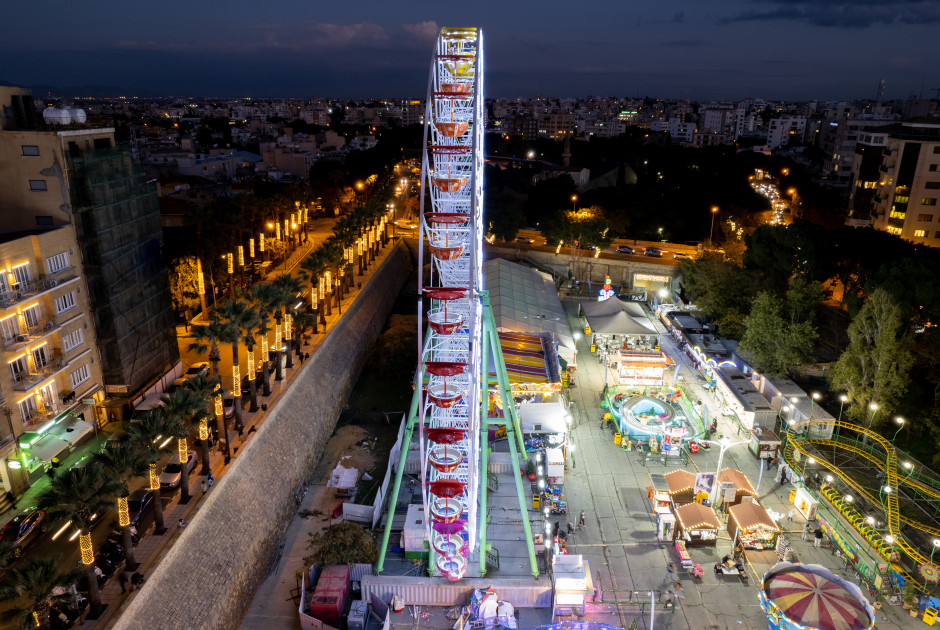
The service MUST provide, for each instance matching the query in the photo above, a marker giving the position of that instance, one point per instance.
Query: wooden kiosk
(752, 526)
(697, 524)
(681, 484)
(742, 486)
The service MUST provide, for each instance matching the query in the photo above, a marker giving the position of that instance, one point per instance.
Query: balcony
(23, 382)
(32, 288)
(32, 334)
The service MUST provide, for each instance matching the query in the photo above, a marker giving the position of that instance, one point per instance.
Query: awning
(613, 317)
(697, 516)
(47, 447)
(71, 430)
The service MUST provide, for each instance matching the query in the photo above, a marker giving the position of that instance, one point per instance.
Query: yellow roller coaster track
(889, 466)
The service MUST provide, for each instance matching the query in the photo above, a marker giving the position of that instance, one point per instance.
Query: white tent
(542, 418)
(613, 317)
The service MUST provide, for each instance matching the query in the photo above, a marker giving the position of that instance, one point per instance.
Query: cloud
(422, 31)
(842, 14)
(346, 35)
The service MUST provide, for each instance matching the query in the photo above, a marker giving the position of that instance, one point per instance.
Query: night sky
(720, 49)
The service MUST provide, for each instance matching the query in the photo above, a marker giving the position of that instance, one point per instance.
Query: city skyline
(729, 50)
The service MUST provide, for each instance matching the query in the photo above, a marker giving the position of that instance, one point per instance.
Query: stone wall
(207, 580)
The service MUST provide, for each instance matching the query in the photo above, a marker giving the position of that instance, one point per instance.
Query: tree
(122, 462)
(250, 333)
(290, 288)
(266, 298)
(721, 289)
(147, 435)
(184, 285)
(874, 367)
(34, 588)
(75, 496)
(181, 407)
(207, 338)
(344, 543)
(773, 344)
(205, 388)
(238, 316)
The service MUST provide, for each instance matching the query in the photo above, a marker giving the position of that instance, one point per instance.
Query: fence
(370, 514)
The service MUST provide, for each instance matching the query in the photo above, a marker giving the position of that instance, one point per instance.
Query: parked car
(681, 256)
(654, 251)
(624, 249)
(23, 529)
(228, 406)
(246, 383)
(522, 239)
(170, 477)
(139, 504)
(196, 369)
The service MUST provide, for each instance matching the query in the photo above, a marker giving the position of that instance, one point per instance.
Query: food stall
(681, 485)
(658, 493)
(555, 465)
(665, 524)
(697, 524)
(742, 486)
(764, 443)
(752, 526)
(805, 503)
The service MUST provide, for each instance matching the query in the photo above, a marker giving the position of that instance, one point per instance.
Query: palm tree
(303, 319)
(289, 287)
(75, 496)
(266, 296)
(122, 461)
(238, 316)
(206, 339)
(37, 585)
(181, 406)
(251, 330)
(149, 434)
(206, 388)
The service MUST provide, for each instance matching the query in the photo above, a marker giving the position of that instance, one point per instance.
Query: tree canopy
(343, 543)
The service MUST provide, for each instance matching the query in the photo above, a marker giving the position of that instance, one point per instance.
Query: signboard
(88, 401)
(115, 389)
(727, 491)
(704, 482)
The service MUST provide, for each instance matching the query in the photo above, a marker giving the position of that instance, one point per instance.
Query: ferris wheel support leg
(523, 507)
(399, 472)
(502, 378)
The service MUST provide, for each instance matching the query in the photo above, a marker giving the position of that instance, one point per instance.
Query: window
(65, 302)
(30, 150)
(936, 150)
(928, 201)
(19, 367)
(21, 276)
(31, 315)
(932, 185)
(73, 340)
(28, 408)
(55, 264)
(39, 357)
(79, 376)
(936, 234)
(9, 327)
(920, 233)
(926, 218)
(933, 168)
(37, 184)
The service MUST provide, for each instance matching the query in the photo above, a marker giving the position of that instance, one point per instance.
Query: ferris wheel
(452, 223)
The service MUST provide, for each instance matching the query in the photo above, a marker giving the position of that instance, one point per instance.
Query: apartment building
(53, 385)
(71, 175)
(907, 198)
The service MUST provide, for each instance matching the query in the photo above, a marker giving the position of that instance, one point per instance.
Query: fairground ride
(449, 410)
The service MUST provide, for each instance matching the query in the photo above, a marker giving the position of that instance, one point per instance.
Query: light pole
(936, 543)
(711, 232)
(574, 204)
(874, 410)
(842, 400)
(900, 422)
(725, 444)
(812, 404)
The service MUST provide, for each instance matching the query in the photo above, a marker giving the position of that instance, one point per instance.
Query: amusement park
(617, 465)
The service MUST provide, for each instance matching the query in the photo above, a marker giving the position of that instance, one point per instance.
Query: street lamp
(725, 444)
(900, 422)
(711, 232)
(812, 404)
(574, 203)
(936, 543)
(842, 400)
(874, 410)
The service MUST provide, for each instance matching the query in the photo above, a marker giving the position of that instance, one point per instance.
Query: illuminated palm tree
(181, 406)
(290, 288)
(34, 588)
(150, 433)
(266, 297)
(250, 335)
(206, 388)
(206, 339)
(238, 316)
(122, 461)
(75, 496)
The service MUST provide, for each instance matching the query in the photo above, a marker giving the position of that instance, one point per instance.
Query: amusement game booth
(681, 487)
(742, 486)
(752, 526)
(697, 524)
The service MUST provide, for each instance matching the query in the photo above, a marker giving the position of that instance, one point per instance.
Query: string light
(84, 543)
(124, 516)
(288, 324)
(231, 264)
(241, 255)
(218, 404)
(251, 248)
(261, 242)
(250, 356)
(203, 430)
(182, 451)
(154, 480)
(236, 381)
(277, 230)
(200, 283)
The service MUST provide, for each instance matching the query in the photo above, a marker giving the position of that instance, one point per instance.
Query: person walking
(555, 529)
(182, 523)
(211, 479)
(819, 536)
(570, 528)
(124, 579)
(581, 521)
(805, 531)
(205, 489)
(670, 576)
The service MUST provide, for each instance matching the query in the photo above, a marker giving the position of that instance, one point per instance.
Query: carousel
(803, 596)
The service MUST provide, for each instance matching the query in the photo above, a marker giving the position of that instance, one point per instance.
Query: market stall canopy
(47, 447)
(613, 317)
(812, 596)
(542, 418)
(525, 300)
(697, 516)
(680, 481)
(530, 358)
(751, 515)
(739, 479)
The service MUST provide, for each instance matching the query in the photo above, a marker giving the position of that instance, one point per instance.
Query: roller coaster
(801, 448)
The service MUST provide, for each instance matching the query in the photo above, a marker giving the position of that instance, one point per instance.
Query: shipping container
(328, 603)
